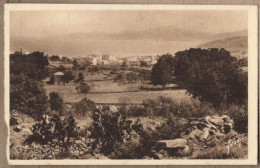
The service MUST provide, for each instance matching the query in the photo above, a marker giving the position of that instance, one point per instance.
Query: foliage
(143, 64)
(27, 95)
(108, 130)
(119, 77)
(162, 71)
(211, 75)
(124, 65)
(239, 113)
(32, 65)
(132, 77)
(56, 101)
(84, 107)
(128, 150)
(54, 58)
(68, 76)
(243, 61)
(165, 106)
(55, 130)
(51, 80)
(83, 88)
(80, 77)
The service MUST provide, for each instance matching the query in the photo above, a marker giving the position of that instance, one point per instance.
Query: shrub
(80, 77)
(108, 130)
(53, 129)
(240, 116)
(84, 107)
(27, 95)
(83, 88)
(56, 101)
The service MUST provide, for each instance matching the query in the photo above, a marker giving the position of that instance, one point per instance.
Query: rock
(172, 144)
(113, 108)
(50, 157)
(186, 150)
(13, 121)
(45, 150)
(78, 142)
(195, 133)
(17, 128)
(158, 156)
(205, 133)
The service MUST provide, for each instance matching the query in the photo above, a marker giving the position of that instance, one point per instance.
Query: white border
(252, 81)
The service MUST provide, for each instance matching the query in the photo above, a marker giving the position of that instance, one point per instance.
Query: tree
(80, 77)
(27, 96)
(61, 68)
(32, 65)
(56, 101)
(162, 71)
(124, 65)
(84, 107)
(211, 75)
(83, 88)
(143, 64)
(54, 58)
(68, 76)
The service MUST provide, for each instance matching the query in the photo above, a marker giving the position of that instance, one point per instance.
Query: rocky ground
(207, 137)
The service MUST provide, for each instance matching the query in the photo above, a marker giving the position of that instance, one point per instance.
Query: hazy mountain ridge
(235, 42)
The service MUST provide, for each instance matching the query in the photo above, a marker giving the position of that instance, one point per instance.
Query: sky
(121, 33)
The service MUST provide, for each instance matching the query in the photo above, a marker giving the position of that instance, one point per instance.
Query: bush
(240, 116)
(83, 107)
(55, 130)
(80, 77)
(56, 101)
(27, 96)
(108, 130)
(165, 106)
(83, 88)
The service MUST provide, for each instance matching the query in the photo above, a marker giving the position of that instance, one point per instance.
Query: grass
(113, 97)
(110, 92)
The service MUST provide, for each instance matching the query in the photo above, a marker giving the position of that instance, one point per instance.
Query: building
(58, 77)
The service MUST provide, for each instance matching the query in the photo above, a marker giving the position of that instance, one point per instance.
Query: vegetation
(162, 71)
(27, 95)
(84, 107)
(80, 77)
(56, 102)
(143, 64)
(83, 88)
(32, 65)
(108, 130)
(55, 130)
(68, 76)
(211, 75)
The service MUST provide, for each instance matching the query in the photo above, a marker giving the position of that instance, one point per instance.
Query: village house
(58, 77)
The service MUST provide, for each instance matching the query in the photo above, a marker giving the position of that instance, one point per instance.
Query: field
(110, 92)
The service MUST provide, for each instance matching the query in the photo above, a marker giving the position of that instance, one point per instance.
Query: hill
(236, 43)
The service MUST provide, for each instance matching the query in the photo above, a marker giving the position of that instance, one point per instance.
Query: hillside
(236, 43)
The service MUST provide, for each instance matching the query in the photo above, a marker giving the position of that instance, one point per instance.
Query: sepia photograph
(131, 84)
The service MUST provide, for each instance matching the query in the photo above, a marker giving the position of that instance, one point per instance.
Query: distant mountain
(235, 42)
(164, 33)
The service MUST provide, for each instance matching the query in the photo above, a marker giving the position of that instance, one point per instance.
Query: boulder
(195, 134)
(45, 150)
(172, 144)
(205, 133)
